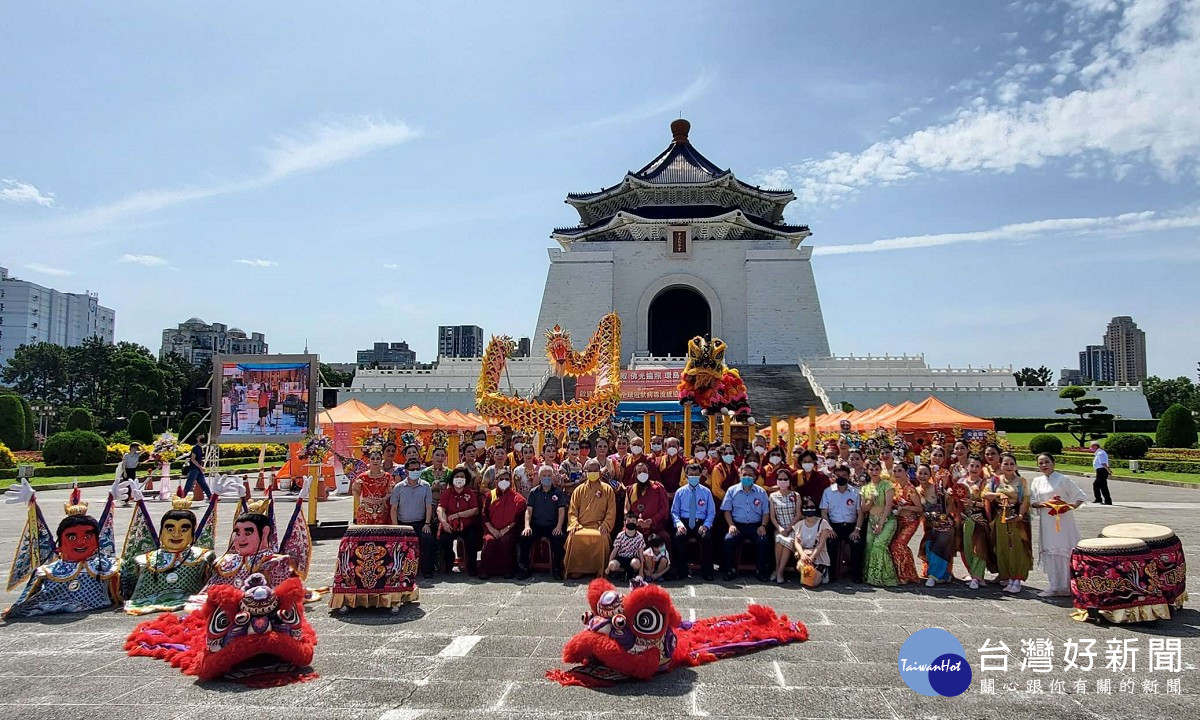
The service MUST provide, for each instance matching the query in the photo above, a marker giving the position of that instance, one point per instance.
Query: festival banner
(655, 384)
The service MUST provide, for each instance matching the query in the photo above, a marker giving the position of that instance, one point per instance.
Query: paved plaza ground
(475, 649)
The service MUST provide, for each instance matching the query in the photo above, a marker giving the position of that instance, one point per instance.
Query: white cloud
(332, 143)
(677, 103)
(48, 269)
(391, 266)
(147, 260)
(1135, 101)
(319, 146)
(15, 191)
(1114, 225)
(259, 263)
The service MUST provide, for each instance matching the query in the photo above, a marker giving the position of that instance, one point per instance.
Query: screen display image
(264, 397)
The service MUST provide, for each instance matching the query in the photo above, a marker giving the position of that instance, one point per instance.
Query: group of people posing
(663, 512)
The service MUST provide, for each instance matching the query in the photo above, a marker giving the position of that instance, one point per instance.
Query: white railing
(816, 388)
(984, 388)
(541, 385)
(639, 361)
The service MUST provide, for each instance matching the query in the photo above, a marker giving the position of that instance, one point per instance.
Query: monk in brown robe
(590, 520)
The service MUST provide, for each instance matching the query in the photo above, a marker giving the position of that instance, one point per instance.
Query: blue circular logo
(933, 662)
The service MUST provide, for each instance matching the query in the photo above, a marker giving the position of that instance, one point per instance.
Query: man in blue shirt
(747, 511)
(692, 513)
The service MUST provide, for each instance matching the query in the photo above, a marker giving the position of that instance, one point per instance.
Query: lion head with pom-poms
(707, 382)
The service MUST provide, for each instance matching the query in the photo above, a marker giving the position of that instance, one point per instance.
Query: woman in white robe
(1058, 535)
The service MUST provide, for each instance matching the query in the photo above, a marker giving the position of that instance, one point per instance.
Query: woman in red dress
(909, 512)
(372, 491)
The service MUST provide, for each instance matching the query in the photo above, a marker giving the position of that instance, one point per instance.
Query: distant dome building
(197, 341)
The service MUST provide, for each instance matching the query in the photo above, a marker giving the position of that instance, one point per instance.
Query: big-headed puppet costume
(639, 635)
(72, 570)
(252, 608)
(160, 570)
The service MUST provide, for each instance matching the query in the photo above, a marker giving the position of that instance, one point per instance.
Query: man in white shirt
(842, 509)
(1100, 465)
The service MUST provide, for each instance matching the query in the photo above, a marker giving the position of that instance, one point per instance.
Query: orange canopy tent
(886, 418)
(933, 414)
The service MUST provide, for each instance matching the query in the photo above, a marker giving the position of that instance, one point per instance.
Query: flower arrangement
(165, 449)
(316, 448)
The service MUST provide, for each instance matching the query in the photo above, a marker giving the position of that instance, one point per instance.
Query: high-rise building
(523, 347)
(31, 313)
(396, 356)
(1097, 364)
(460, 341)
(196, 341)
(1070, 376)
(1128, 345)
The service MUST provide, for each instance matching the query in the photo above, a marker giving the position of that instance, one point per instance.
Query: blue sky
(986, 183)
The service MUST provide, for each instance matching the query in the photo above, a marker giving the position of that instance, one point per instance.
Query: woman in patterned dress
(908, 512)
(938, 546)
(878, 496)
(1009, 495)
(976, 535)
(372, 491)
(783, 516)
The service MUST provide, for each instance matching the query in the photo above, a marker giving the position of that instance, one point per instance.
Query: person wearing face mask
(503, 509)
(626, 555)
(812, 534)
(771, 462)
(746, 510)
(693, 511)
(545, 517)
(724, 473)
(647, 503)
(783, 517)
(479, 440)
(670, 465)
(699, 452)
(411, 504)
(656, 446)
(841, 506)
(474, 469)
(458, 519)
(516, 442)
(590, 518)
(810, 480)
(637, 455)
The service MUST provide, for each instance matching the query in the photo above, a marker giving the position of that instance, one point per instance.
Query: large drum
(376, 567)
(1127, 574)
(1167, 574)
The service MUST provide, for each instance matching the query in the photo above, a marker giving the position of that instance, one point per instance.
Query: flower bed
(1085, 459)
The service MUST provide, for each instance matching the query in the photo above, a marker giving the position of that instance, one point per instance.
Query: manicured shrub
(190, 421)
(75, 447)
(1045, 443)
(30, 426)
(12, 422)
(1127, 446)
(1176, 428)
(80, 419)
(8, 461)
(140, 428)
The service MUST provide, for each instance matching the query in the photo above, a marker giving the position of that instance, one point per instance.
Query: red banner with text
(661, 384)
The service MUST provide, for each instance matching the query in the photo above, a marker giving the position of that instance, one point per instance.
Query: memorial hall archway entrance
(676, 315)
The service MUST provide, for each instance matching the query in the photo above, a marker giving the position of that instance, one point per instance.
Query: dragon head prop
(631, 635)
(558, 350)
(641, 634)
(255, 632)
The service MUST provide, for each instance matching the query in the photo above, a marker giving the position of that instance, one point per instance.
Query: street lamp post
(43, 411)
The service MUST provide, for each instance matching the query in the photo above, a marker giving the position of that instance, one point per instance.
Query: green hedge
(1176, 466)
(75, 447)
(111, 468)
(1036, 425)
(1127, 446)
(1045, 444)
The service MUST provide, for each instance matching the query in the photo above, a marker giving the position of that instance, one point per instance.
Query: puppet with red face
(75, 570)
(639, 635)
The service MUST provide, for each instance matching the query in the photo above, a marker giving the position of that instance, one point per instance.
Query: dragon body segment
(601, 356)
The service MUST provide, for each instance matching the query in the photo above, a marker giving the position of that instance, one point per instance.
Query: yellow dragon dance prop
(601, 357)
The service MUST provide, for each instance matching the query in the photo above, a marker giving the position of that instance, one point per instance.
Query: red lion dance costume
(641, 634)
(707, 382)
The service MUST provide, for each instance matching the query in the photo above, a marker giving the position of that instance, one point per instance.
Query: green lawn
(249, 465)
